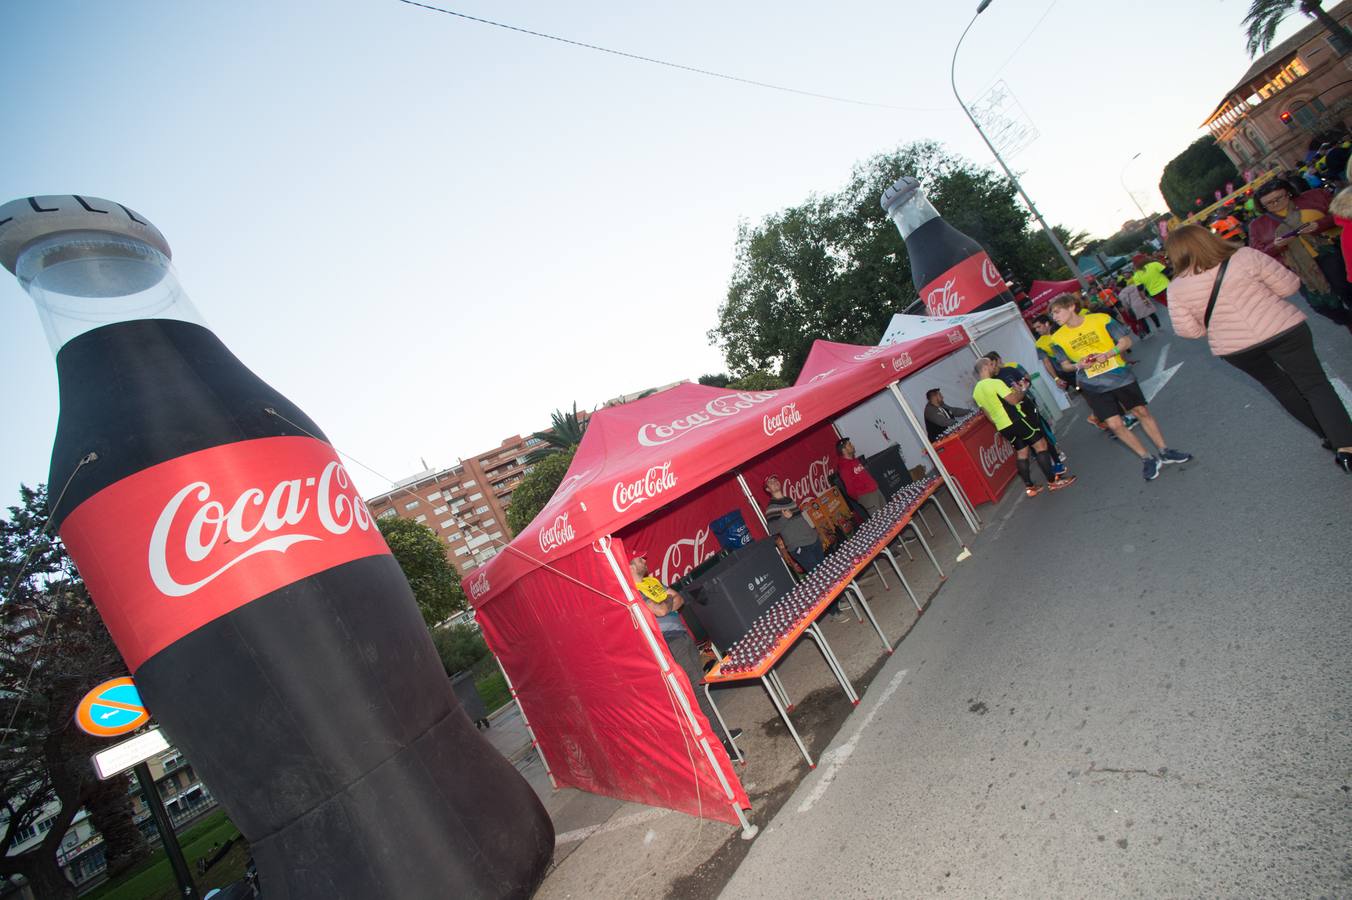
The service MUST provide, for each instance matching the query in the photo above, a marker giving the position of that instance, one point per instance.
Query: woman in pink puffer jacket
(1255, 329)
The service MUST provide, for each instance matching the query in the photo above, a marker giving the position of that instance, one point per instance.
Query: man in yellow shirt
(1091, 347)
(1150, 276)
(1000, 402)
(665, 604)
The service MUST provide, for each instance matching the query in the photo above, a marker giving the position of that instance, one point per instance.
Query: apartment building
(476, 492)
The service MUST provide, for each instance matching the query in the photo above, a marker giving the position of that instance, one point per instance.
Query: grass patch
(154, 879)
(493, 690)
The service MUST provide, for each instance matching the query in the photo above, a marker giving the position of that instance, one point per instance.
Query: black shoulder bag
(1215, 292)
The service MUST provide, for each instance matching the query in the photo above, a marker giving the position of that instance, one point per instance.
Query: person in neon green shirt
(1000, 402)
(1150, 276)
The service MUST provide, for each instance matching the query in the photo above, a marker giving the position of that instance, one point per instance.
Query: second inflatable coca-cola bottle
(269, 629)
(952, 272)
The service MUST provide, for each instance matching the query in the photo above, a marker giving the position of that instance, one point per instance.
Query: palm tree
(564, 433)
(1265, 15)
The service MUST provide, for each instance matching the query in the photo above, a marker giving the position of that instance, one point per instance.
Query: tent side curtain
(593, 691)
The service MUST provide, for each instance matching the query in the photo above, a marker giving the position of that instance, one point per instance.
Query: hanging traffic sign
(111, 709)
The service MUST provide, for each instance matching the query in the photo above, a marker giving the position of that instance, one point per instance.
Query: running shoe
(1129, 420)
(1058, 469)
(1062, 481)
(1033, 490)
(1174, 457)
(1151, 470)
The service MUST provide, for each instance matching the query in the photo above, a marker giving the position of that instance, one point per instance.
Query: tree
(718, 381)
(758, 381)
(435, 582)
(1260, 24)
(57, 648)
(1198, 171)
(834, 266)
(459, 646)
(564, 434)
(534, 491)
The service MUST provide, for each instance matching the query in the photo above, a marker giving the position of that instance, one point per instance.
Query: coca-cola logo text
(991, 275)
(655, 435)
(556, 535)
(994, 456)
(783, 420)
(874, 351)
(955, 336)
(944, 300)
(479, 586)
(822, 376)
(685, 554)
(205, 537)
(631, 493)
(901, 362)
(815, 482)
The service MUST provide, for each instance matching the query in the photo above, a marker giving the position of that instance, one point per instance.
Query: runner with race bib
(1091, 346)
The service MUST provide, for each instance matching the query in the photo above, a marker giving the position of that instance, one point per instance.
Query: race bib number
(1107, 365)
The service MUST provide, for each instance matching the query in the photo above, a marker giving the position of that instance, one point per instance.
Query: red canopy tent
(609, 710)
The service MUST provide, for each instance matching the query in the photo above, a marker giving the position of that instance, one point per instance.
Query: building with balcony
(1289, 98)
(475, 492)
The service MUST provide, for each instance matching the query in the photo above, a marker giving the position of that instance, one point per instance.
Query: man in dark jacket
(939, 416)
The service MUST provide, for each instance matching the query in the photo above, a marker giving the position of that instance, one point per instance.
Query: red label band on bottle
(169, 549)
(964, 287)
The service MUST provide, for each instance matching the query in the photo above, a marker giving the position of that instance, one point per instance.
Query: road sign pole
(167, 837)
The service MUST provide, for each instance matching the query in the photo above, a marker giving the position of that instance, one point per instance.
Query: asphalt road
(1133, 689)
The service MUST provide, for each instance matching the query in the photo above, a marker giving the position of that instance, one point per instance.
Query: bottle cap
(28, 219)
(901, 191)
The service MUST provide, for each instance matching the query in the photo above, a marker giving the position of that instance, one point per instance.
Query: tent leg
(832, 662)
(749, 831)
(784, 714)
(855, 591)
(919, 610)
(930, 553)
(893, 560)
(779, 685)
(874, 622)
(524, 721)
(718, 713)
(966, 553)
(921, 514)
(881, 576)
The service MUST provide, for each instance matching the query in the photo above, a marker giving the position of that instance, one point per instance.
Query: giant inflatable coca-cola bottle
(952, 272)
(269, 628)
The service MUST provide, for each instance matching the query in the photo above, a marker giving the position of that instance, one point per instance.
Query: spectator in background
(939, 416)
(1142, 310)
(1255, 329)
(1293, 230)
(1341, 210)
(784, 519)
(858, 483)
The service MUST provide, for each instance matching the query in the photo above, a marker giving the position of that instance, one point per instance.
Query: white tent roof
(905, 328)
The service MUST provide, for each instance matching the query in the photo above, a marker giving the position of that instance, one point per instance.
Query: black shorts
(1107, 404)
(1021, 434)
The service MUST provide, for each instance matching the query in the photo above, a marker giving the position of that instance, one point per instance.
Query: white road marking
(837, 757)
(1160, 377)
(581, 834)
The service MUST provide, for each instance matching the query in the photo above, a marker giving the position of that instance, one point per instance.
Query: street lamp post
(1123, 179)
(1046, 229)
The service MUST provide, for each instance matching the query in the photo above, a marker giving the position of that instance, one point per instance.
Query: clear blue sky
(429, 233)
